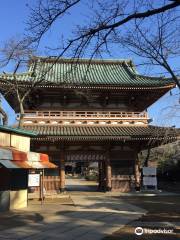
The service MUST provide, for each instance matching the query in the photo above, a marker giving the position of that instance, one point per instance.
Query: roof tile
(103, 131)
(85, 73)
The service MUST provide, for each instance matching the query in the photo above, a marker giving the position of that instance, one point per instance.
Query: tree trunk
(108, 171)
(137, 174)
(62, 170)
(4, 116)
(21, 114)
(147, 158)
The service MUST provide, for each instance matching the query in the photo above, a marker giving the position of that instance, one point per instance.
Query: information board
(34, 180)
(148, 171)
(149, 181)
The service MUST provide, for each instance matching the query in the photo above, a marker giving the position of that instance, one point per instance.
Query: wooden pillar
(102, 179)
(108, 172)
(62, 171)
(100, 175)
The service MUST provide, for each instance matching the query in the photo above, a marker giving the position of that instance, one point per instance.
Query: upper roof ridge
(81, 60)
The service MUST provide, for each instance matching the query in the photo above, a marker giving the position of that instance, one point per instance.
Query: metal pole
(28, 171)
(43, 185)
(40, 190)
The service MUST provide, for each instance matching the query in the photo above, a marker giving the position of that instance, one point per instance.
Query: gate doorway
(82, 171)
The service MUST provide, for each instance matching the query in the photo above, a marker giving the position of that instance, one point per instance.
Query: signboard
(149, 181)
(33, 180)
(148, 171)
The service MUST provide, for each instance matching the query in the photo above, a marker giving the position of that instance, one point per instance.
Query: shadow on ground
(92, 217)
(160, 209)
(16, 219)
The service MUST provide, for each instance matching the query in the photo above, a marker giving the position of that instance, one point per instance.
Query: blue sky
(13, 15)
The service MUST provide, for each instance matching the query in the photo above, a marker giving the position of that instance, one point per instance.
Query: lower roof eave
(97, 86)
(103, 138)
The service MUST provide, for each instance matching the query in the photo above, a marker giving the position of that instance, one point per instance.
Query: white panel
(34, 180)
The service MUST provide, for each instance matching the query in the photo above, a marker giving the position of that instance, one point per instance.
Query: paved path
(91, 216)
(81, 185)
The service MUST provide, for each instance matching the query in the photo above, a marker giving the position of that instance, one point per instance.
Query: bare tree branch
(108, 22)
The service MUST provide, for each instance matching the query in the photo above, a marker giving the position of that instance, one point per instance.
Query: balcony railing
(74, 115)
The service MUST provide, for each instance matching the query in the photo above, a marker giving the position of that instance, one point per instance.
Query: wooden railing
(73, 115)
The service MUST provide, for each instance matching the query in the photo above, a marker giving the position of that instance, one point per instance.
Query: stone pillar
(108, 172)
(62, 171)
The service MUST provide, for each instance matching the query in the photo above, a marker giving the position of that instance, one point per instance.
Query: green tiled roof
(18, 131)
(102, 132)
(82, 72)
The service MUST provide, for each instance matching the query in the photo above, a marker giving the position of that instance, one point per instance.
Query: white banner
(33, 180)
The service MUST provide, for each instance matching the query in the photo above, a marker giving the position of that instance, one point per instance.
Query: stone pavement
(163, 212)
(81, 185)
(88, 216)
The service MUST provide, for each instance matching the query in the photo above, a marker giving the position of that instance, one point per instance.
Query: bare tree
(19, 52)
(156, 45)
(16, 52)
(3, 114)
(16, 49)
(110, 21)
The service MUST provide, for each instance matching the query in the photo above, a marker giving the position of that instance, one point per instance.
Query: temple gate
(91, 110)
